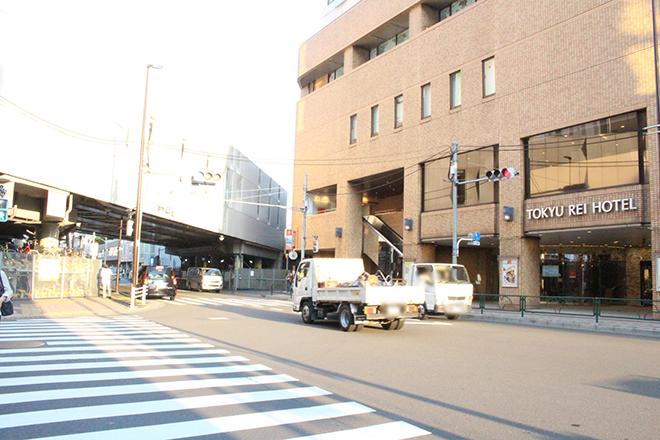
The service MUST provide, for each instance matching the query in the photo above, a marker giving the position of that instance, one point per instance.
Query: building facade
(559, 92)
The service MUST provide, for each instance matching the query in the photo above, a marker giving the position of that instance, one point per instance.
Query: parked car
(160, 281)
(204, 278)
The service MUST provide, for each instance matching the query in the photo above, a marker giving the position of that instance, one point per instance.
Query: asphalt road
(457, 379)
(249, 368)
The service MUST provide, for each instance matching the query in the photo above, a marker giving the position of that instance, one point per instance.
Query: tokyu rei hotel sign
(579, 209)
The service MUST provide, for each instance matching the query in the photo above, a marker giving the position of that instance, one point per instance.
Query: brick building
(560, 91)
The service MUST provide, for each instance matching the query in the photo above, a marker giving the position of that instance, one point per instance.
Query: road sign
(293, 255)
(289, 239)
(474, 243)
(476, 236)
(4, 206)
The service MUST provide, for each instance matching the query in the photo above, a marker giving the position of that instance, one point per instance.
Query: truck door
(302, 282)
(423, 277)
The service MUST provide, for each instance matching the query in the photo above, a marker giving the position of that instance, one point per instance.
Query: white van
(204, 278)
(447, 287)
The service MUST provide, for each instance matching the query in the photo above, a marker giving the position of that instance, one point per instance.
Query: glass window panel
(374, 120)
(353, 129)
(387, 45)
(460, 5)
(426, 101)
(455, 89)
(398, 111)
(597, 154)
(471, 165)
(403, 36)
(489, 76)
(445, 13)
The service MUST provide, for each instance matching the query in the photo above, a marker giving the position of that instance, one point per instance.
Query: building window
(426, 101)
(600, 154)
(311, 87)
(489, 76)
(353, 129)
(471, 165)
(398, 111)
(389, 44)
(455, 89)
(335, 74)
(455, 7)
(374, 120)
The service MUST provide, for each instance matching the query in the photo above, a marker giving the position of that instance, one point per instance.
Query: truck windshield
(214, 272)
(451, 274)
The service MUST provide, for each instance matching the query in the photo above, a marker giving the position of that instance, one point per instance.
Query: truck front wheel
(346, 318)
(422, 312)
(307, 316)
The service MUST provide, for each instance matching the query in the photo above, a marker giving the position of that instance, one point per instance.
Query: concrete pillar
(349, 217)
(49, 230)
(413, 249)
(353, 57)
(422, 17)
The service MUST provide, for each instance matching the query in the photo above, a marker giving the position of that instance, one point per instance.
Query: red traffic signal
(500, 174)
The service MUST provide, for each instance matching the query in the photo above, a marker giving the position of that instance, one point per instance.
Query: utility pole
(121, 226)
(453, 177)
(304, 224)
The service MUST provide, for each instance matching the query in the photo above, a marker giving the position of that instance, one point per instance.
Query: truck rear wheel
(307, 316)
(346, 318)
(397, 324)
(450, 316)
(422, 312)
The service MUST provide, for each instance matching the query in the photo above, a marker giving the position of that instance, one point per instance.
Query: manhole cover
(4, 345)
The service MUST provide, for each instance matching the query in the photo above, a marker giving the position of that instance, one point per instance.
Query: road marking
(120, 364)
(189, 301)
(408, 321)
(386, 431)
(226, 424)
(174, 303)
(153, 387)
(93, 337)
(154, 406)
(102, 349)
(121, 375)
(90, 333)
(103, 355)
(114, 340)
(218, 318)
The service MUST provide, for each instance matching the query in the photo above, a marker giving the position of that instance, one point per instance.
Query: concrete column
(422, 17)
(353, 57)
(49, 230)
(349, 217)
(413, 249)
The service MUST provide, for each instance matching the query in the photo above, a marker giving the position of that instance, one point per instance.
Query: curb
(612, 327)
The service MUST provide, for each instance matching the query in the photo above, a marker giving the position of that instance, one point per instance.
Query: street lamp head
(154, 66)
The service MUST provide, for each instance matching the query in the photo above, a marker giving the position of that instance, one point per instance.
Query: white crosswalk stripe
(95, 388)
(263, 304)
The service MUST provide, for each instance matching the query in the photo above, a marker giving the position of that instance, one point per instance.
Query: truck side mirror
(478, 280)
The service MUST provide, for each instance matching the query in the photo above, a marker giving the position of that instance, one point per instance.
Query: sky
(229, 69)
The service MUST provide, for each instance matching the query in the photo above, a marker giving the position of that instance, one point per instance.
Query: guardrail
(138, 291)
(588, 307)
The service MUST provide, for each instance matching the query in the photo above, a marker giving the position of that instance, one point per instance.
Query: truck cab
(447, 288)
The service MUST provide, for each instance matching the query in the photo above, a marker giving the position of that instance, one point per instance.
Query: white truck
(339, 288)
(447, 288)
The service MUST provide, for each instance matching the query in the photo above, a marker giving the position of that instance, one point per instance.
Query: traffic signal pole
(453, 176)
(304, 222)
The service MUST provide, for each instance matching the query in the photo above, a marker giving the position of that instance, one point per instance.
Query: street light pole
(453, 177)
(138, 207)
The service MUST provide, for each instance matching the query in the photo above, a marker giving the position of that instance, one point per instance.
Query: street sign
(474, 243)
(476, 236)
(289, 239)
(293, 255)
(4, 206)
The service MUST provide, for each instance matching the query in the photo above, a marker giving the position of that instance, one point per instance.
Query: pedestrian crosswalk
(130, 378)
(264, 304)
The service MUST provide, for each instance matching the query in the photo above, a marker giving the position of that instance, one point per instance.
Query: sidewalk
(74, 307)
(629, 327)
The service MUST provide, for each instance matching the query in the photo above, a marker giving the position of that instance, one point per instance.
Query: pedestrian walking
(106, 278)
(5, 295)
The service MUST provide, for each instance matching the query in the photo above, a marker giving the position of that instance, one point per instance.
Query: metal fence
(38, 276)
(273, 280)
(589, 307)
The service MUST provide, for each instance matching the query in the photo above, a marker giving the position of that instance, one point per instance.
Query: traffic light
(501, 174)
(4, 208)
(205, 178)
(315, 246)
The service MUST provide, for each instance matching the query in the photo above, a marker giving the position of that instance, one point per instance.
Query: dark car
(160, 281)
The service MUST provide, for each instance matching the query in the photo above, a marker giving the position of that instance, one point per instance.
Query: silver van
(204, 278)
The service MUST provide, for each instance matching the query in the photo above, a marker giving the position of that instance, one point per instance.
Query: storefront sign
(509, 273)
(582, 209)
